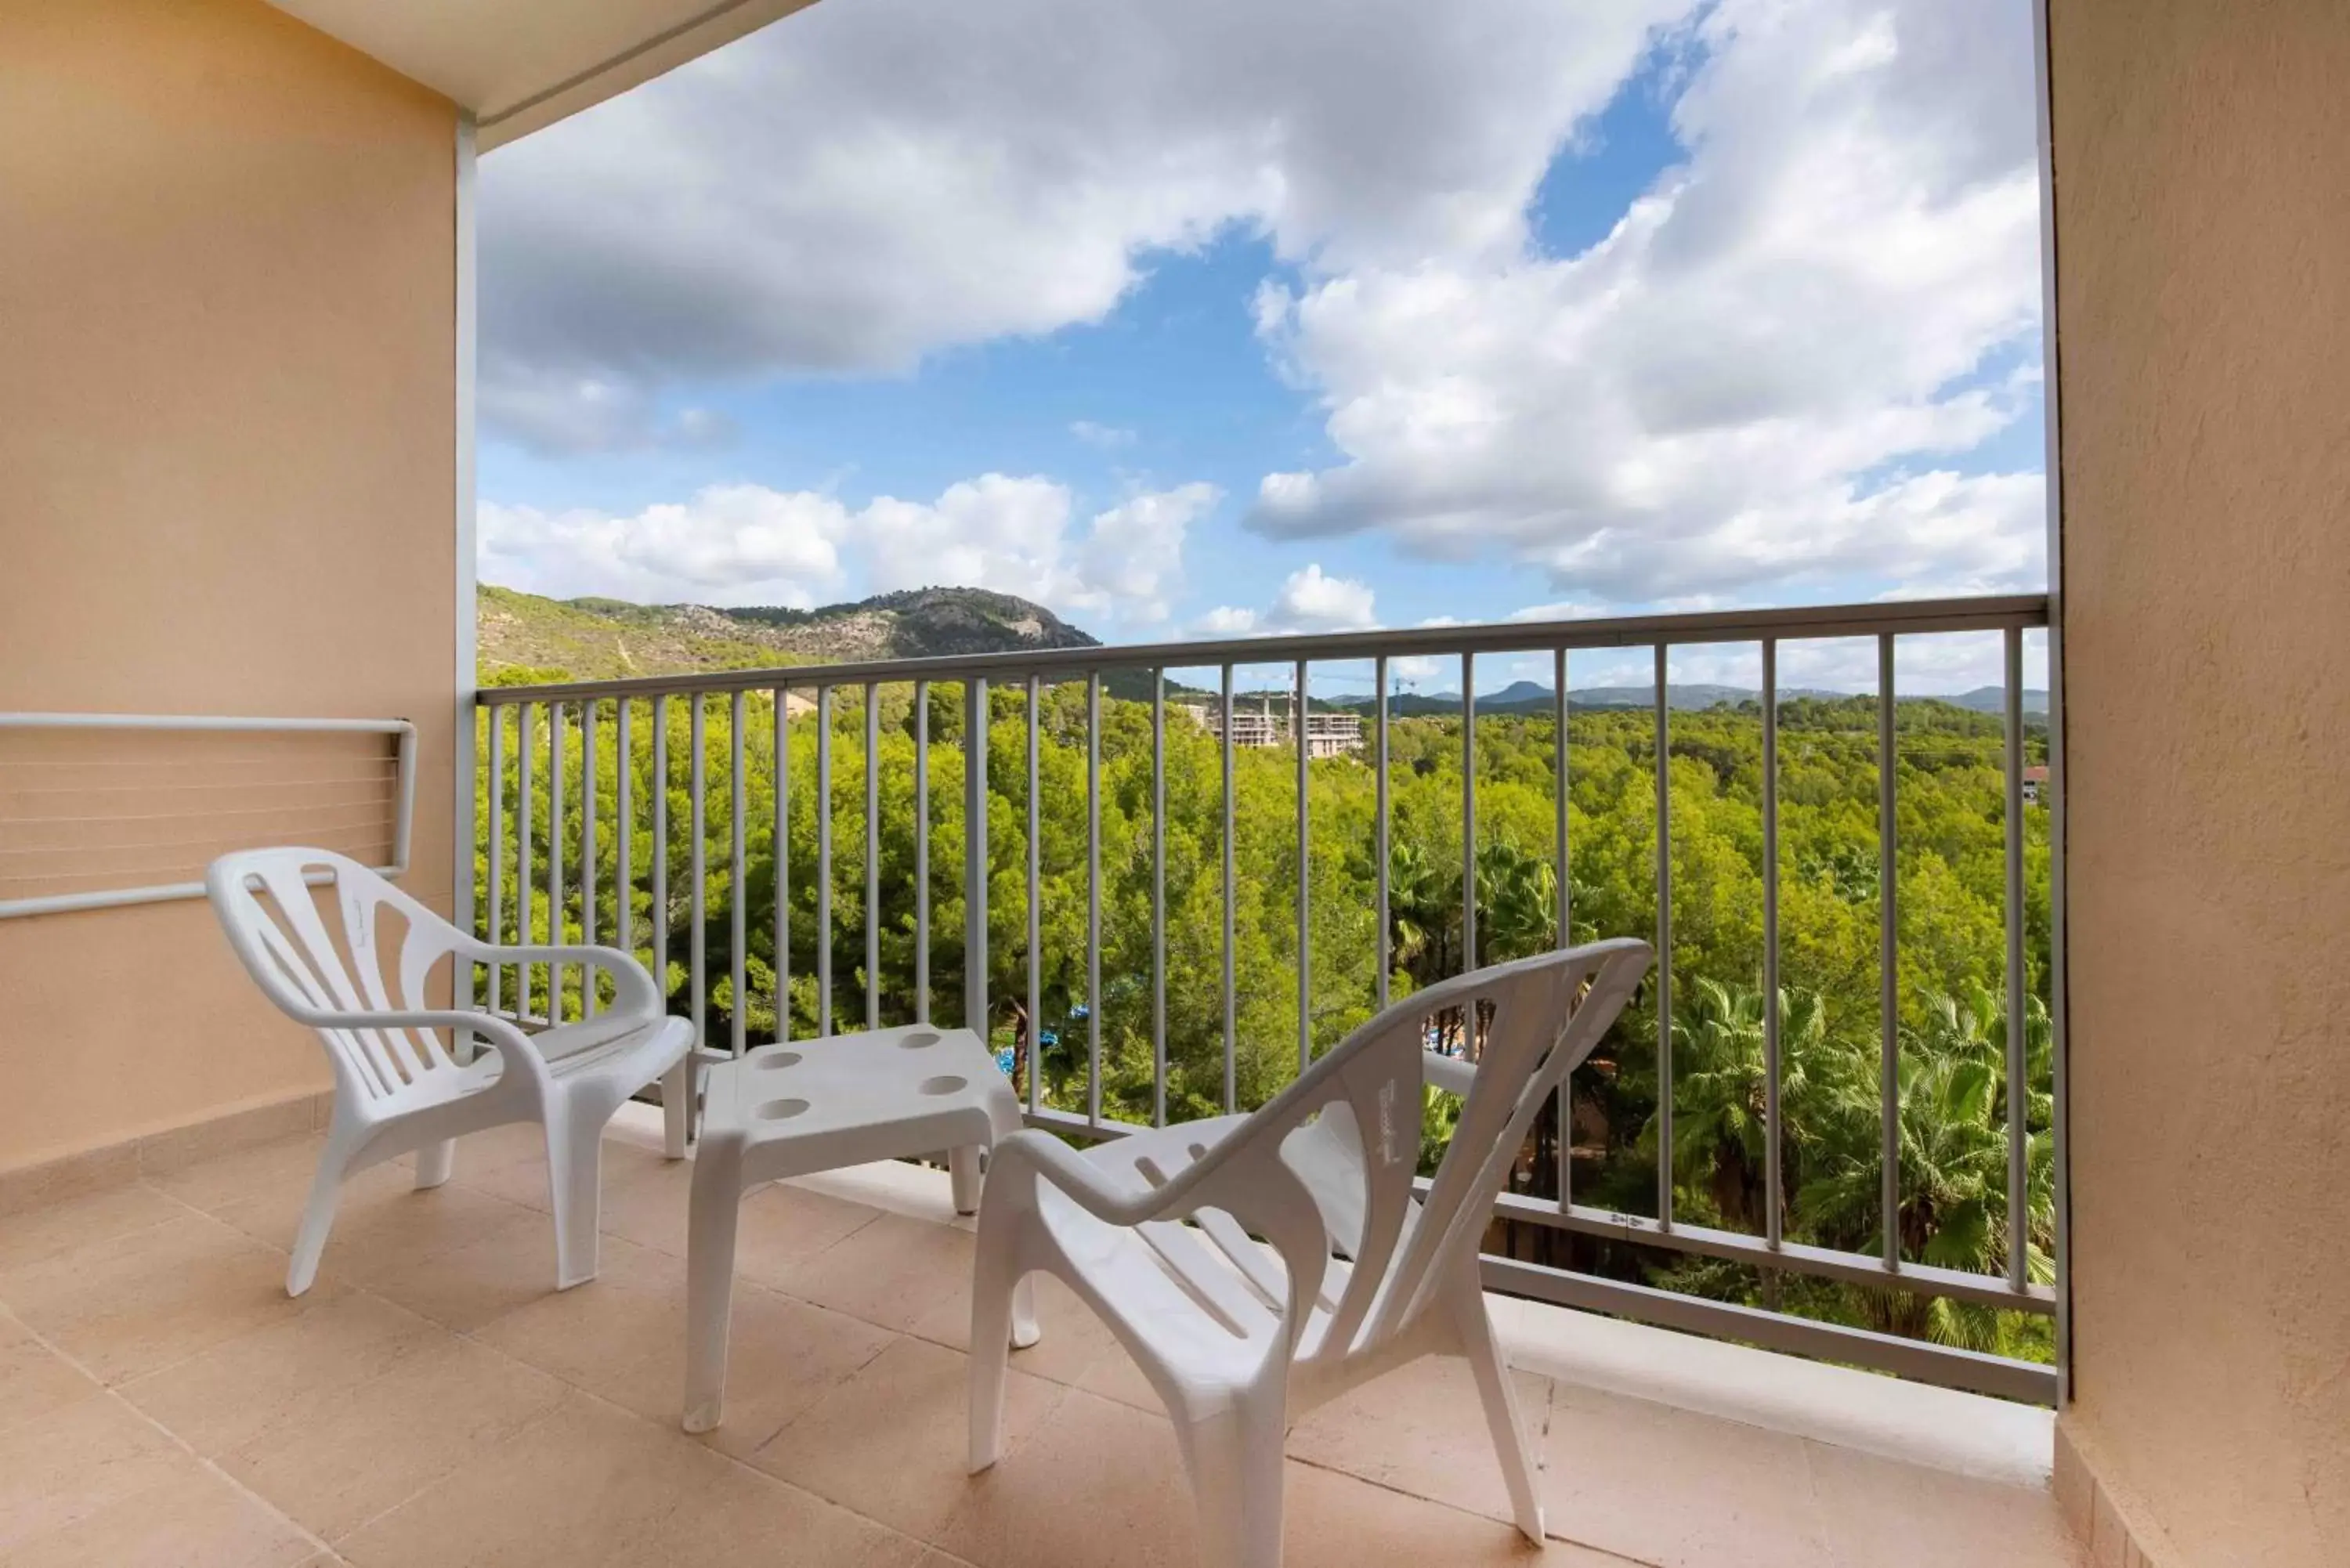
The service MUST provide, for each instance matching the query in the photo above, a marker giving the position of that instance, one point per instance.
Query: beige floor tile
(1876, 1511)
(26, 1187)
(284, 1376)
(622, 1336)
(1623, 1475)
(281, 1170)
(1137, 1509)
(781, 1227)
(193, 1520)
(1421, 1429)
(892, 1442)
(139, 1303)
(777, 1225)
(592, 1486)
(894, 1271)
(493, 1147)
(34, 1380)
(77, 1462)
(27, 1239)
(1113, 1375)
(377, 1444)
(647, 1205)
(511, 1163)
(507, 1263)
(383, 1226)
(161, 1154)
(1074, 1340)
(1334, 1520)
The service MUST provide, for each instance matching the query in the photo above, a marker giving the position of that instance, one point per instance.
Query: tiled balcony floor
(433, 1402)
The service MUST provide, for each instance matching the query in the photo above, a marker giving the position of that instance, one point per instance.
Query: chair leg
(714, 1215)
(677, 1107)
(1237, 1480)
(1498, 1393)
(993, 1311)
(574, 1173)
(435, 1162)
(318, 1216)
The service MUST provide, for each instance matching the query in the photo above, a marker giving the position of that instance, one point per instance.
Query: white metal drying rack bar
(108, 898)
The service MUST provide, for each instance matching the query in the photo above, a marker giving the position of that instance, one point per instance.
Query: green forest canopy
(1949, 904)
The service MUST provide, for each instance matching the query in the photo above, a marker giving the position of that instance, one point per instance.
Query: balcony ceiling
(520, 65)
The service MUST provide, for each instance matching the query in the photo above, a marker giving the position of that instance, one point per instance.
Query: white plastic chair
(1354, 1275)
(397, 1086)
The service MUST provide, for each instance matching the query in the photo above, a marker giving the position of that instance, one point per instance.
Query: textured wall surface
(227, 432)
(2202, 168)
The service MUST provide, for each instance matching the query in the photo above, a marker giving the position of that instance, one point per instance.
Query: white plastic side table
(817, 1105)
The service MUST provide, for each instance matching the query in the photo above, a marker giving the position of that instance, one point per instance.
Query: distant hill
(1991, 699)
(526, 638)
(1532, 697)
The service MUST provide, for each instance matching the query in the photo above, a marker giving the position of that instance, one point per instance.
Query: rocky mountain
(524, 638)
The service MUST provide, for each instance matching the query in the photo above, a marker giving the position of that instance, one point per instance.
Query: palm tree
(1951, 1154)
(1721, 1093)
(1418, 912)
(1517, 902)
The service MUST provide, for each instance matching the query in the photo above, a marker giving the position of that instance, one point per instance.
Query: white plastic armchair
(1257, 1266)
(397, 1087)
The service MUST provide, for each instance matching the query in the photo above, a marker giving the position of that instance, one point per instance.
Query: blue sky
(1599, 308)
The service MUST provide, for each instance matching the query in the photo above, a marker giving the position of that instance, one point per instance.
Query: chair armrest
(1035, 1153)
(634, 989)
(1449, 1073)
(499, 1034)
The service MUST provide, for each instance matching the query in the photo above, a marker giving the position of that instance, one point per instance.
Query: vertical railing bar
(525, 727)
(1158, 898)
(1773, 1133)
(1093, 898)
(783, 856)
(1301, 722)
(1468, 829)
(2019, 1090)
(739, 903)
(498, 855)
(976, 864)
(1232, 1075)
(823, 862)
(697, 793)
(624, 802)
(921, 852)
(1562, 1111)
(555, 934)
(1035, 911)
(1664, 944)
(1889, 958)
(1379, 819)
(659, 911)
(872, 856)
(588, 973)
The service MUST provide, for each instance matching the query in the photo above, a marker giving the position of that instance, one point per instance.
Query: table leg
(716, 1211)
(962, 1173)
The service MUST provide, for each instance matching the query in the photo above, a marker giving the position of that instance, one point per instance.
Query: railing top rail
(1900, 617)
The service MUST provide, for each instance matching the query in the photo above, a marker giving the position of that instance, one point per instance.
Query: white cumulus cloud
(749, 544)
(863, 184)
(1764, 376)
(1309, 599)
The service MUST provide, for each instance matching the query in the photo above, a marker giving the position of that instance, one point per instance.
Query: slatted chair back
(313, 961)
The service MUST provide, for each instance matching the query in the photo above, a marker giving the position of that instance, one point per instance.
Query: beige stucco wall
(227, 465)
(2203, 190)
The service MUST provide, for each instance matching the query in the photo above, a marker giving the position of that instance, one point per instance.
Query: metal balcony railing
(653, 856)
